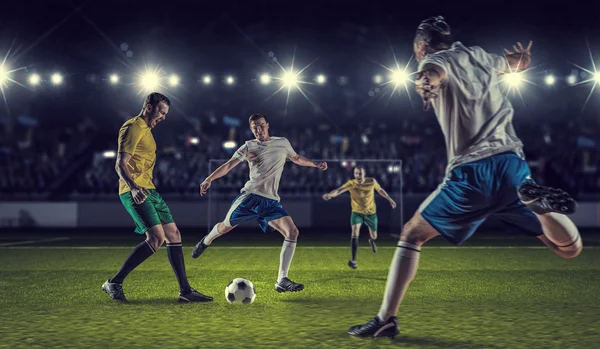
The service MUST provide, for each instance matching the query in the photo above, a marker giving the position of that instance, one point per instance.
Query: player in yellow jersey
(135, 164)
(362, 195)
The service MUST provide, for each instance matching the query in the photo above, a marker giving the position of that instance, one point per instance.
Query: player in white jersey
(259, 199)
(486, 173)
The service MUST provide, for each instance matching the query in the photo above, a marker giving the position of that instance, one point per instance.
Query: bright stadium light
(149, 81)
(194, 140)
(229, 80)
(290, 79)
(206, 79)
(513, 79)
(35, 79)
(3, 75)
(550, 80)
(265, 79)
(597, 77)
(173, 80)
(56, 79)
(321, 79)
(229, 144)
(377, 79)
(399, 77)
(114, 79)
(109, 154)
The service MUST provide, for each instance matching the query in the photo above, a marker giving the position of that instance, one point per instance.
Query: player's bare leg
(175, 253)
(218, 230)
(354, 240)
(287, 228)
(402, 271)
(372, 238)
(551, 207)
(155, 237)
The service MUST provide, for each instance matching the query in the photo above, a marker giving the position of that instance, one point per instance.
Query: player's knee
(172, 237)
(293, 233)
(412, 236)
(571, 251)
(156, 242)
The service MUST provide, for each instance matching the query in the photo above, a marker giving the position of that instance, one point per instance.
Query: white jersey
(475, 117)
(266, 161)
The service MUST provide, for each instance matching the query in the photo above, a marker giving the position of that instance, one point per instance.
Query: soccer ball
(240, 291)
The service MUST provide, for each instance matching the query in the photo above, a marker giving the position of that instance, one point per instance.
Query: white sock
(402, 271)
(214, 233)
(561, 230)
(285, 258)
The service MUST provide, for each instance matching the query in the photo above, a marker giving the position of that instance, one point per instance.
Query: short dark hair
(435, 32)
(257, 116)
(360, 167)
(155, 98)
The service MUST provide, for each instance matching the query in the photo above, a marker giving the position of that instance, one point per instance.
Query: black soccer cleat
(287, 285)
(373, 246)
(376, 328)
(199, 248)
(352, 264)
(542, 200)
(114, 290)
(193, 296)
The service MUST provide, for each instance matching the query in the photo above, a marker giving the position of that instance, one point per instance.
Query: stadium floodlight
(149, 81)
(572, 79)
(3, 74)
(597, 77)
(173, 80)
(56, 79)
(113, 78)
(229, 80)
(109, 154)
(194, 140)
(229, 144)
(550, 80)
(35, 79)
(207, 79)
(377, 79)
(321, 79)
(513, 79)
(265, 79)
(399, 77)
(290, 79)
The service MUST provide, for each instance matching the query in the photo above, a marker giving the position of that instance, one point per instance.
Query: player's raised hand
(393, 204)
(322, 166)
(518, 48)
(139, 195)
(204, 187)
(326, 197)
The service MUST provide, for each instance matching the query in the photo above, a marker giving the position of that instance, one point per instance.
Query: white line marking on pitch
(4, 247)
(28, 242)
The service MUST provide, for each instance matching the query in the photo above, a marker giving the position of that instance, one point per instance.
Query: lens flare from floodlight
(514, 79)
(194, 140)
(229, 80)
(290, 79)
(265, 79)
(35, 79)
(114, 79)
(173, 80)
(572, 79)
(550, 80)
(206, 79)
(229, 144)
(109, 154)
(321, 79)
(378, 79)
(399, 77)
(56, 79)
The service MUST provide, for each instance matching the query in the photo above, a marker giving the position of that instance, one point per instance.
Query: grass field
(481, 295)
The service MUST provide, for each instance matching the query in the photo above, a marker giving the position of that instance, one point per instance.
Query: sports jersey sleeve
(498, 63)
(376, 185)
(129, 137)
(242, 153)
(290, 150)
(435, 59)
(347, 185)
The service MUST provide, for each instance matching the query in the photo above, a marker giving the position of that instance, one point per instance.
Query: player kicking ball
(135, 163)
(362, 197)
(486, 173)
(259, 198)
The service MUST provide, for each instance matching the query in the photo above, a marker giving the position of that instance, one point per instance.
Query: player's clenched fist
(139, 195)
(204, 187)
(321, 165)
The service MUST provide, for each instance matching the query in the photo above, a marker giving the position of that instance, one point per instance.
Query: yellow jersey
(362, 196)
(135, 138)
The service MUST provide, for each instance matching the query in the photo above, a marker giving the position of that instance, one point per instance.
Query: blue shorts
(249, 207)
(477, 190)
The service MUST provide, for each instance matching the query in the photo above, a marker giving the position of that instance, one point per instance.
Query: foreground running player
(486, 174)
(362, 197)
(135, 163)
(259, 199)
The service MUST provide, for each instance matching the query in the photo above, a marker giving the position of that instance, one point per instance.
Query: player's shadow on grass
(433, 342)
(370, 278)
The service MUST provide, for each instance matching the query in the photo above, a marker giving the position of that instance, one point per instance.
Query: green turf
(467, 297)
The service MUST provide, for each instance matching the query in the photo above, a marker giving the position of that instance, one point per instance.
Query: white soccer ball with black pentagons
(240, 291)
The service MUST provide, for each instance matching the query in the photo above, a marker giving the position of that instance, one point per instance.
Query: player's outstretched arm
(139, 194)
(335, 192)
(519, 58)
(302, 161)
(387, 197)
(218, 173)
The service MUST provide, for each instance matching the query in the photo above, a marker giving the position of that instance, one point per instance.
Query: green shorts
(370, 220)
(153, 211)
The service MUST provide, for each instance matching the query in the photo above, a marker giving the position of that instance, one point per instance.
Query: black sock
(175, 252)
(354, 247)
(140, 253)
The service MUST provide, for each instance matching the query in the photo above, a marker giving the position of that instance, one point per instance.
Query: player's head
(259, 125)
(155, 109)
(359, 173)
(433, 34)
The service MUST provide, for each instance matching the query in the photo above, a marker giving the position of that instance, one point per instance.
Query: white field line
(278, 247)
(29, 242)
